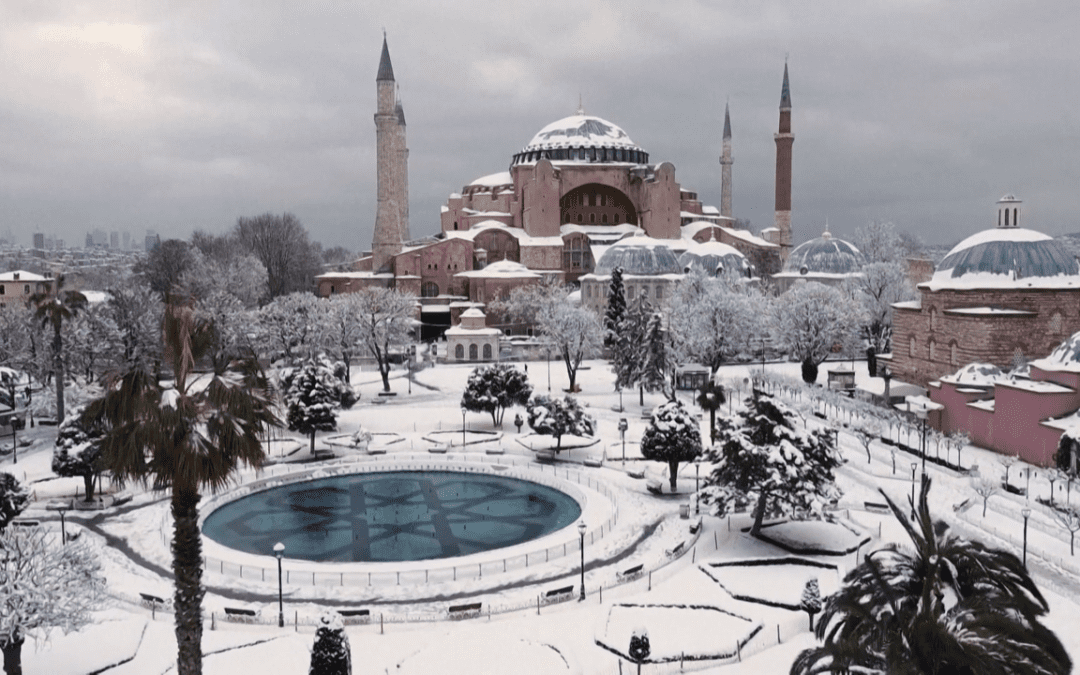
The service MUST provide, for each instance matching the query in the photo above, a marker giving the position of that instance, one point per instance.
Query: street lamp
(548, 350)
(581, 531)
(697, 494)
(61, 508)
(1026, 513)
(279, 550)
(623, 426)
(914, 465)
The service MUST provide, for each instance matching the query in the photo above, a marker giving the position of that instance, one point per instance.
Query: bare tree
(1007, 462)
(291, 326)
(164, 265)
(985, 488)
(867, 433)
(1070, 520)
(811, 320)
(386, 318)
(281, 245)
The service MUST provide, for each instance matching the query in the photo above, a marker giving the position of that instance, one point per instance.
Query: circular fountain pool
(392, 516)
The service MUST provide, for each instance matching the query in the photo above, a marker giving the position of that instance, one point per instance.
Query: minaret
(725, 172)
(403, 165)
(386, 241)
(784, 140)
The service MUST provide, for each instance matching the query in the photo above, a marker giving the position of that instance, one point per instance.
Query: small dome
(714, 259)
(643, 256)
(581, 138)
(1009, 255)
(825, 255)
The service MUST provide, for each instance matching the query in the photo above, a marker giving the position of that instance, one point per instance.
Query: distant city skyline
(121, 117)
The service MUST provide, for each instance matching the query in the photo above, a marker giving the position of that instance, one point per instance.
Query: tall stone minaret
(784, 140)
(386, 241)
(402, 153)
(725, 172)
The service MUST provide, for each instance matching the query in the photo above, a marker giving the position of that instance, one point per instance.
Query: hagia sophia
(581, 199)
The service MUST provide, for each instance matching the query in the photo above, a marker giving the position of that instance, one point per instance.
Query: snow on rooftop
(746, 236)
(580, 131)
(989, 311)
(908, 304)
(503, 268)
(978, 374)
(1064, 358)
(493, 180)
(23, 275)
(1006, 258)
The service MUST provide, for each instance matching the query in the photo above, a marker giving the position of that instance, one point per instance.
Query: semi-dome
(582, 138)
(642, 256)
(714, 259)
(825, 255)
(1013, 256)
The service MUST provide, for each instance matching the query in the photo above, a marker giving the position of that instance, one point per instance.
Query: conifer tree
(628, 356)
(656, 364)
(616, 309)
(673, 436)
(811, 600)
(331, 654)
(312, 401)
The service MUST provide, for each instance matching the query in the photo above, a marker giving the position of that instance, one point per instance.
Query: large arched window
(487, 352)
(472, 352)
(596, 203)
(429, 289)
(459, 352)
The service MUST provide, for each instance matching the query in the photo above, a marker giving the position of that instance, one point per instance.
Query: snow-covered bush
(493, 389)
(673, 436)
(14, 498)
(311, 401)
(331, 654)
(335, 376)
(361, 437)
(556, 417)
(78, 451)
(811, 600)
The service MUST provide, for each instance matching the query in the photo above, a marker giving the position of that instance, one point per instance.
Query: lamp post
(914, 465)
(279, 550)
(581, 531)
(1026, 513)
(623, 426)
(463, 429)
(61, 508)
(697, 494)
(548, 350)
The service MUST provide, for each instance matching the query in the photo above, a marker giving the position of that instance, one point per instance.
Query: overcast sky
(125, 116)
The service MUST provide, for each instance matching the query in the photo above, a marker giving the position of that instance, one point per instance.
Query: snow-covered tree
(880, 242)
(15, 326)
(710, 398)
(985, 488)
(240, 275)
(867, 433)
(291, 326)
(557, 417)
(1066, 456)
(959, 440)
(332, 372)
(53, 310)
(627, 358)
(672, 436)
(92, 341)
(78, 451)
(493, 389)
(14, 498)
(878, 288)
(386, 319)
(616, 309)
(712, 322)
(950, 605)
(331, 654)
(811, 320)
(233, 335)
(766, 460)
(342, 335)
(44, 585)
(1070, 520)
(311, 400)
(135, 312)
(657, 366)
(810, 602)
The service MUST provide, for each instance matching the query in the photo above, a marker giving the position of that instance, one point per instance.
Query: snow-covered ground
(545, 638)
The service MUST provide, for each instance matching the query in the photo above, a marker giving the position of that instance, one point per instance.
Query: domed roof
(582, 138)
(643, 256)
(714, 258)
(1009, 256)
(825, 255)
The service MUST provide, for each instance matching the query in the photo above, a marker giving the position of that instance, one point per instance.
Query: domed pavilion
(826, 260)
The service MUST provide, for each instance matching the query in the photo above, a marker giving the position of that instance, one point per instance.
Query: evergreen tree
(950, 605)
(673, 436)
(811, 600)
(331, 654)
(628, 357)
(312, 401)
(616, 309)
(656, 368)
(766, 461)
(493, 389)
(78, 451)
(14, 498)
(556, 417)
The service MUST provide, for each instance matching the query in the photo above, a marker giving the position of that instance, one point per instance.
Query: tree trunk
(384, 370)
(811, 615)
(641, 395)
(759, 514)
(88, 484)
(673, 469)
(313, 441)
(712, 425)
(58, 375)
(13, 656)
(187, 570)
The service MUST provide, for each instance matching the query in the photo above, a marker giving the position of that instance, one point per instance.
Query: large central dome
(582, 138)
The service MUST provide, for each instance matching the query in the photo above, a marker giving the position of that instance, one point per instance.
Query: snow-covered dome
(642, 256)
(582, 138)
(977, 374)
(1005, 256)
(714, 258)
(1065, 357)
(825, 255)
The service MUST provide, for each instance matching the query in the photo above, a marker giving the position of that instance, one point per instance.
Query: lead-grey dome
(642, 256)
(1006, 255)
(715, 258)
(825, 255)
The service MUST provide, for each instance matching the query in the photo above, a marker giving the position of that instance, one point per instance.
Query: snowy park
(711, 597)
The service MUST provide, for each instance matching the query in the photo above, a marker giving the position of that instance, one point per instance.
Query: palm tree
(710, 398)
(951, 606)
(185, 434)
(53, 309)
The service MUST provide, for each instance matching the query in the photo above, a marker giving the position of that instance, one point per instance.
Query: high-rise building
(114, 240)
(127, 240)
(39, 240)
(151, 241)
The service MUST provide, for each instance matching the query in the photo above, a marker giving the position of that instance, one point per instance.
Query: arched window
(911, 347)
(331, 289)
(1055, 323)
(429, 289)
(1006, 217)
(954, 358)
(472, 352)
(933, 318)
(933, 350)
(455, 224)
(487, 352)
(459, 352)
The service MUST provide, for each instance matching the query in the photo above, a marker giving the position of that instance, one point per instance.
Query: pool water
(392, 516)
